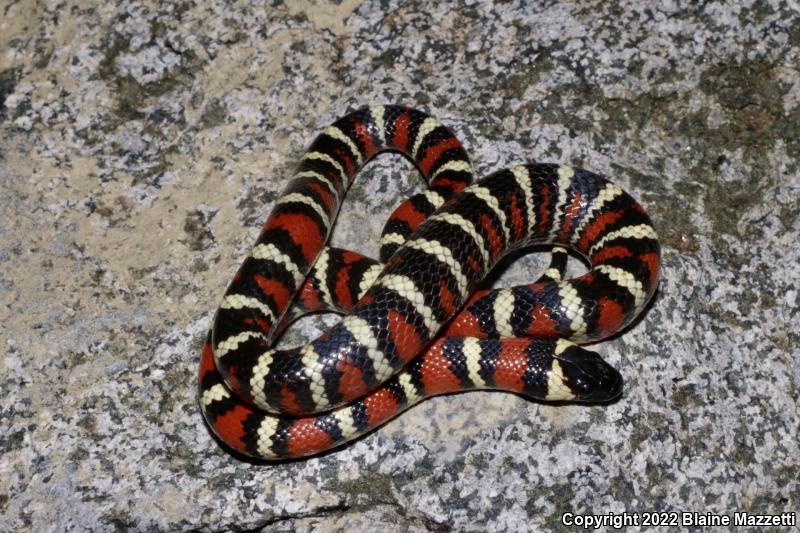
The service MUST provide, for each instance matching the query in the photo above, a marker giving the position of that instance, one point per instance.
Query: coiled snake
(415, 326)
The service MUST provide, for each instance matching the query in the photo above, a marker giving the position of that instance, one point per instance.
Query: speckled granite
(141, 147)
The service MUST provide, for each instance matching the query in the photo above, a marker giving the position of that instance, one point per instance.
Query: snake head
(580, 375)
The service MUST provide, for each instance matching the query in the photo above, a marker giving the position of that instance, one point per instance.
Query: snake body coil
(415, 327)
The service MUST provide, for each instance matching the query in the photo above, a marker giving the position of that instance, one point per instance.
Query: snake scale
(415, 325)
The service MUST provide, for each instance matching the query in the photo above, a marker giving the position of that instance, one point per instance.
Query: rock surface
(142, 145)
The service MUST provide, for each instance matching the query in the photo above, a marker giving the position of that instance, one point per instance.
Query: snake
(418, 323)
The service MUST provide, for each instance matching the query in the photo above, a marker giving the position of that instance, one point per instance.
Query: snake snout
(589, 377)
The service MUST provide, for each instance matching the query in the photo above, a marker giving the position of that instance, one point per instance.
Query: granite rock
(142, 145)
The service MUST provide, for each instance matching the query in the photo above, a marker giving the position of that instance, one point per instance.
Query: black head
(584, 374)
